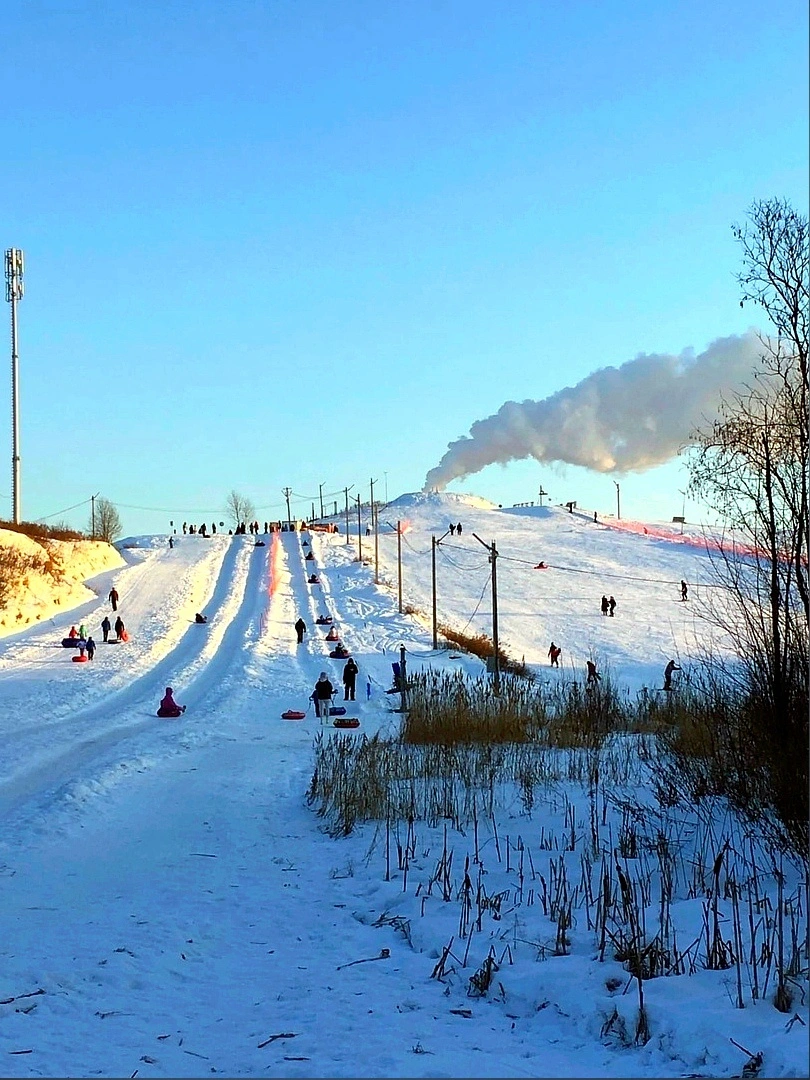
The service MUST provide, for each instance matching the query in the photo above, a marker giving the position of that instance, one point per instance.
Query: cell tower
(15, 266)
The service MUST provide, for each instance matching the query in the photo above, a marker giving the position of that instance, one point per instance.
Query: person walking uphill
(91, 648)
(300, 630)
(554, 654)
(120, 629)
(106, 626)
(322, 696)
(349, 679)
(113, 598)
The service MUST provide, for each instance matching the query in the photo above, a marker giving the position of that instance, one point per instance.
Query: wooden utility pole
(376, 538)
(346, 493)
(359, 537)
(287, 492)
(493, 560)
(434, 544)
(320, 496)
(399, 564)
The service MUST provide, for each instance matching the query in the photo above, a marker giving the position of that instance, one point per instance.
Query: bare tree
(750, 466)
(107, 521)
(240, 508)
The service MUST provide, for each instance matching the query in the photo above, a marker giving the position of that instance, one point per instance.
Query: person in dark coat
(605, 605)
(168, 706)
(554, 654)
(300, 629)
(671, 666)
(684, 591)
(119, 627)
(458, 529)
(113, 598)
(612, 605)
(91, 648)
(593, 674)
(322, 696)
(106, 626)
(198, 618)
(349, 678)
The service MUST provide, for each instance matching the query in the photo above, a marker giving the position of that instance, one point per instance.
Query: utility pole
(434, 544)
(93, 513)
(541, 493)
(15, 268)
(287, 492)
(496, 670)
(320, 496)
(376, 538)
(346, 493)
(618, 503)
(399, 564)
(359, 537)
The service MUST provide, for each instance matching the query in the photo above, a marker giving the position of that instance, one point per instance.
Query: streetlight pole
(541, 493)
(15, 267)
(618, 503)
(286, 492)
(93, 513)
(434, 544)
(496, 667)
(683, 509)
(346, 493)
(399, 564)
(320, 496)
(359, 538)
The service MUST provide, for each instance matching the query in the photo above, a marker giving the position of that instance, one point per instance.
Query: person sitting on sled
(168, 706)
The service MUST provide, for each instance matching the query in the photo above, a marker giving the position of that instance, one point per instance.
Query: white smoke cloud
(625, 419)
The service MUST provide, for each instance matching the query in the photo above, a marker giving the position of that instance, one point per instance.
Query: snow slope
(172, 907)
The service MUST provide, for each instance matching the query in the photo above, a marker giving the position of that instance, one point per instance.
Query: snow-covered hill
(172, 906)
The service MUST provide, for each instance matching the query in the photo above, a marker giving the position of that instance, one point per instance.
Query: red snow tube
(82, 659)
(293, 714)
(346, 721)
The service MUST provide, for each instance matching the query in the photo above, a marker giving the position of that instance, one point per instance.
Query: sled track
(198, 663)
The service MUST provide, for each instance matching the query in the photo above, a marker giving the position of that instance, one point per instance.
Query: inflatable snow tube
(174, 714)
(293, 714)
(337, 710)
(323, 620)
(346, 722)
(81, 659)
(339, 654)
(69, 642)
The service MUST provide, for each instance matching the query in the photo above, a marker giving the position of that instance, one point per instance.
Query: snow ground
(173, 907)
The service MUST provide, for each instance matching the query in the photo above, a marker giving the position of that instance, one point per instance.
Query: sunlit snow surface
(167, 887)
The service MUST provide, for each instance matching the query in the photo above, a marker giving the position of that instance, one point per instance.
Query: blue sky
(297, 244)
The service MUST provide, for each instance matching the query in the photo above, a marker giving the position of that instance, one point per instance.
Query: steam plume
(625, 419)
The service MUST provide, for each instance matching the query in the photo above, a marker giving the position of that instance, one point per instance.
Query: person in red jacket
(168, 706)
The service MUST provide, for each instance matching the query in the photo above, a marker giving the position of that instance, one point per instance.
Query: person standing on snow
(113, 598)
(73, 632)
(300, 629)
(593, 674)
(82, 643)
(91, 648)
(322, 696)
(684, 591)
(106, 626)
(605, 604)
(120, 629)
(554, 654)
(349, 677)
(612, 605)
(671, 666)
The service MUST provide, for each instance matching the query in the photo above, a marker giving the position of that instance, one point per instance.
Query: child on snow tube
(168, 706)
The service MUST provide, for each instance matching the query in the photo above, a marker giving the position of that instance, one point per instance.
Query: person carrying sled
(671, 666)
(300, 629)
(593, 674)
(168, 706)
(554, 654)
(113, 598)
(106, 626)
(322, 696)
(120, 629)
(350, 671)
(91, 648)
